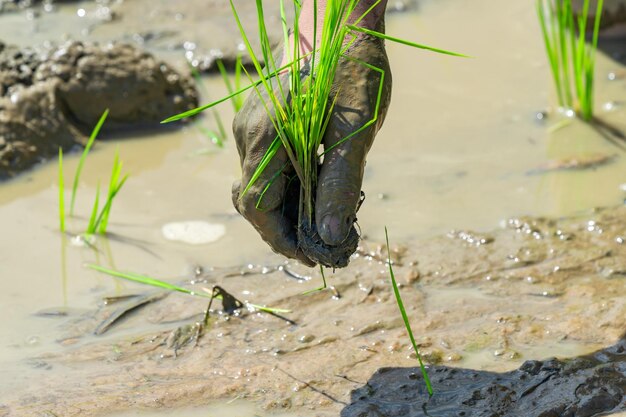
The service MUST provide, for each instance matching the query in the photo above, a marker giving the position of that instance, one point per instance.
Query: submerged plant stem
(61, 193)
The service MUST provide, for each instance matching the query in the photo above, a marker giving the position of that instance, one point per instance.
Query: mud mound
(52, 97)
(585, 386)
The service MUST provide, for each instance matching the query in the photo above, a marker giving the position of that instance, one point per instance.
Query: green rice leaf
(81, 162)
(216, 138)
(267, 158)
(404, 42)
(153, 282)
(146, 280)
(405, 317)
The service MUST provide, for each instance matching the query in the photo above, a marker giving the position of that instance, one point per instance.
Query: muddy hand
(341, 174)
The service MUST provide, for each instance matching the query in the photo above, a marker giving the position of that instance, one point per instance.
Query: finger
(361, 92)
(339, 185)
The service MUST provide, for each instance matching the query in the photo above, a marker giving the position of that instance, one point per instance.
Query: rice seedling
(81, 162)
(220, 136)
(61, 193)
(301, 114)
(99, 222)
(237, 100)
(153, 282)
(572, 61)
(405, 317)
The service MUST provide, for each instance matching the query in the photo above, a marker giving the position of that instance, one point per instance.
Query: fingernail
(330, 230)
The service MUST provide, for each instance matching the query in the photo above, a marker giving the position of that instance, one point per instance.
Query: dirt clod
(52, 97)
(329, 256)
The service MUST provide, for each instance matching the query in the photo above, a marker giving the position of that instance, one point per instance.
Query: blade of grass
(404, 42)
(405, 317)
(153, 282)
(81, 162)
(236, 101)
(216, 138)
(61, 193)
(103, 219)
(115, 185)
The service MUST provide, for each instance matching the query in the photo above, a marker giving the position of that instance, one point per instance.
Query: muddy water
(461, 149)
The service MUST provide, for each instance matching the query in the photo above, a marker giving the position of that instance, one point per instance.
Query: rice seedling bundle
(300, 112)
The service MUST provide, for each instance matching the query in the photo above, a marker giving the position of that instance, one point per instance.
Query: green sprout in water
(99, 219)
(405, 318)
(237, 101)
(572, 61)
(99, 222)
(218, 137)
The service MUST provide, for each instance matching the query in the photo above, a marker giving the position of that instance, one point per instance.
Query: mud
(523, 292)
(585, 386)
(52, 97)
(323, 254)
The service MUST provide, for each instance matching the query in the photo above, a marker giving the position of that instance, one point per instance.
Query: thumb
(339, 188)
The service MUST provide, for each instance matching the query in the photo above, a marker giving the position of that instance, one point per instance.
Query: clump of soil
(589, 385)
(52, 97)
(318, 251)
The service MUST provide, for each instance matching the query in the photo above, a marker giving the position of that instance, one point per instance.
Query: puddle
(456, 151)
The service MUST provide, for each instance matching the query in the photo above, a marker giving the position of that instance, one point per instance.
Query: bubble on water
(81, 12)
(541, 115)
(610, 105)
(33, 340)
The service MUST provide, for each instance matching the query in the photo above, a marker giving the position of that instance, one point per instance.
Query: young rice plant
(99, 218)
(572, 61)
(301, 122)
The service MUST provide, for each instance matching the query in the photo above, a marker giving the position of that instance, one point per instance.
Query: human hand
(340, 178)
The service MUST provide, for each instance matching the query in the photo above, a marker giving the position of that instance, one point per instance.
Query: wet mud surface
(588, 385)
(530, 290)
(52, 97)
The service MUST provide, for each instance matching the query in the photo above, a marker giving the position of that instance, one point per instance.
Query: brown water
(456, 151)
